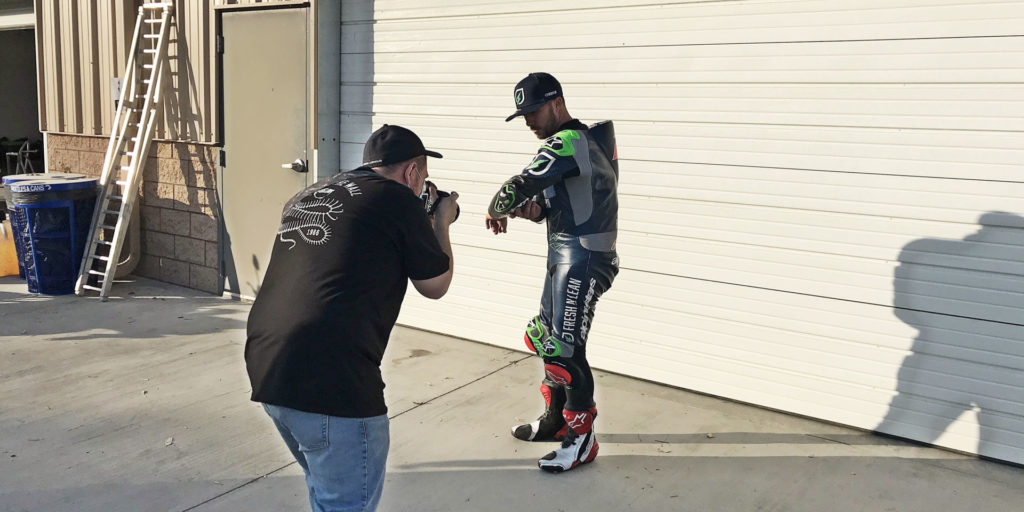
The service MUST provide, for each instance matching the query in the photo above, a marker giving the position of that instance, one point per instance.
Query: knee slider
(536, 332)
(539, 339)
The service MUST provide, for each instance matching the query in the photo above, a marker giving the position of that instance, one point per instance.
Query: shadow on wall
(965, 299)
(232, 283)
(180, 88)
(180, 216)
(357, 80)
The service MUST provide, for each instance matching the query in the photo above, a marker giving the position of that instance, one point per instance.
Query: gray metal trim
(581, 197)
(599, 242)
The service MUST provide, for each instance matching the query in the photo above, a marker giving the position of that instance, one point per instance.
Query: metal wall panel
(189, 101)
(16, 14)
(83, 46)
(820, 199)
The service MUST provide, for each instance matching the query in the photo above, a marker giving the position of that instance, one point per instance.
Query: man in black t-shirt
(332, 292)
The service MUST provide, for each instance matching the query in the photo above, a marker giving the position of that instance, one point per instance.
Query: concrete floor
(141, 404)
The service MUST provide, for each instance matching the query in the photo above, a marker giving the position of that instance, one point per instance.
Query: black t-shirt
(331, 295)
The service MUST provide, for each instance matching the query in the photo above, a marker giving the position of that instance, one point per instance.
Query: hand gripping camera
(431, 196)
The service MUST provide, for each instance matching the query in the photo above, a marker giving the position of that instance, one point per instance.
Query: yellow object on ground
(8, 257)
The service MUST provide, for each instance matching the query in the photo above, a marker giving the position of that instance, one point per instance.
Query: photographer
(320, 324)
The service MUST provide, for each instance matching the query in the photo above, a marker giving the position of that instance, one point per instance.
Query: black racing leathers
(573, 177)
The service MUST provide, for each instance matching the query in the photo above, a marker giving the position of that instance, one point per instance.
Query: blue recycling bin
(53, 213)
(17, 223)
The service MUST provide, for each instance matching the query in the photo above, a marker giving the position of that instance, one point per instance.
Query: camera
(430, 201)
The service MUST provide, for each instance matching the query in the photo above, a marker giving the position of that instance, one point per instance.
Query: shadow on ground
(168, 310)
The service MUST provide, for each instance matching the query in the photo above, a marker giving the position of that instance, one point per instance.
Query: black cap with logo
(533, 92)
(391, 144)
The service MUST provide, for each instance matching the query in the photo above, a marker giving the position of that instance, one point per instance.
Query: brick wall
(179, 206)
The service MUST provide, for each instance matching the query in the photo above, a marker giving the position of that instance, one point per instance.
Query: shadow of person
(254, 286)
(965, 298)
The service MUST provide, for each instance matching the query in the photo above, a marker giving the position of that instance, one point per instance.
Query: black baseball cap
(533, 92)
(391, 144)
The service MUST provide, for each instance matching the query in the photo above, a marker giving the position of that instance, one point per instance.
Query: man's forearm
(444, 240)
(437, 287)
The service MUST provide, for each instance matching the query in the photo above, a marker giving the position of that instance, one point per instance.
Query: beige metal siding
(16, 14)
(256, 3)
(188, 101)
(820, 199)
(110, 59)
(83, 46)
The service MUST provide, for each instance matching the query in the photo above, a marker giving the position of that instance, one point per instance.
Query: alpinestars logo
(578, 421)
(520, 96)
(506, 197)
(557, 379)
(547, 347)
(554, 142)
(550, 347)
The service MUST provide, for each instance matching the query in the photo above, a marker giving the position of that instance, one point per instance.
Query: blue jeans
(343, 458)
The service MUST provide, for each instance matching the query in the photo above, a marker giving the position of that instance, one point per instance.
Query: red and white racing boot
(550, 426)
(579, 446)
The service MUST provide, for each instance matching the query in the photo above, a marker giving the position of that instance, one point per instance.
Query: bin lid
(52, 184)
(41, 175)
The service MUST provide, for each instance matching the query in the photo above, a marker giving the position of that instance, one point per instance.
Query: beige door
(263, 91)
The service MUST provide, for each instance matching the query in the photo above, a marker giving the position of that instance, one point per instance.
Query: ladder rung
(126, 167)
(93, 288)
(146, 81)
(97, 273)
(152, 21)
(148, 51)
(104, 226)
(101, 258)
(115, 198)
(151, 36)
(157, 5)
(104, 242)
(109, 212)
(121, 183)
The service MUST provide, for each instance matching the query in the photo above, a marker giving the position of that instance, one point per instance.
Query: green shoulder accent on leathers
(561, 142)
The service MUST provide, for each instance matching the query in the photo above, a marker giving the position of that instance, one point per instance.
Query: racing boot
(578, 447)
(550, 426)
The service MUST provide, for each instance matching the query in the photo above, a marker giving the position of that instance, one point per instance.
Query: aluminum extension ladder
(129, 145)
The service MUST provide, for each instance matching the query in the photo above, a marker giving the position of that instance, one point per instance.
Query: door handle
(298, 166)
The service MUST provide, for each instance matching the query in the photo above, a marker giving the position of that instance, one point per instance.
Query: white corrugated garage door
(820, 199)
